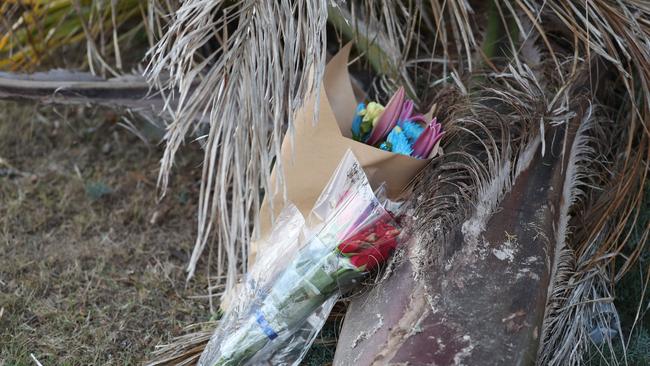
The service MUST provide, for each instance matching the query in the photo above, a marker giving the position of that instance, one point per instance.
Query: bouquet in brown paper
(392, 144)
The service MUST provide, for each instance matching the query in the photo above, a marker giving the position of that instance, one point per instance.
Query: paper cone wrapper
(318, 145)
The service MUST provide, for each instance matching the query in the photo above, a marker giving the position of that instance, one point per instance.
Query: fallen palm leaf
(75, 87)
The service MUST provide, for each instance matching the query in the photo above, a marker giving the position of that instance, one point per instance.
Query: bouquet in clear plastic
(308, 264)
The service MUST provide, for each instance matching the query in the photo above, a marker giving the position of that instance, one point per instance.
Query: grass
(86, 275)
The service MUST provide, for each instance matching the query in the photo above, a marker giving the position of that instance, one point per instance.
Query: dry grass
(85, 277)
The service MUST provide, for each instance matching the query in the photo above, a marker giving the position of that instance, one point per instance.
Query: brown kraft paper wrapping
(318, 148)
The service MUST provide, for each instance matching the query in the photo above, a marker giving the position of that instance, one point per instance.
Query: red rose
(371, 246)
(369, 258)
(358, 241)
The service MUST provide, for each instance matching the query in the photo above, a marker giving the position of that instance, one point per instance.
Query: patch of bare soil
(91, 264)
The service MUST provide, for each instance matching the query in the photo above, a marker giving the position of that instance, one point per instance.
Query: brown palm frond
(426, 43)
(607, 195)
(580, 308)
(253, 63)
(185, 349)
(598, 224)
(581, 292)
(619, 34)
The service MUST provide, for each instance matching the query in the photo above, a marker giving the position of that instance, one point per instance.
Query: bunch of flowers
(356, 236)
(396, 127)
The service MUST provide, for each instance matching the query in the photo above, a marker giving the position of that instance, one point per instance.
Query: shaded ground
(91, 267)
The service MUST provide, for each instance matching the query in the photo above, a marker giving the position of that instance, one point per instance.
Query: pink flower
(428, 139)
(405, 113)
(388, 118)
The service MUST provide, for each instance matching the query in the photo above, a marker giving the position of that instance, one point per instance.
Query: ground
(91, 264)
(91, 261)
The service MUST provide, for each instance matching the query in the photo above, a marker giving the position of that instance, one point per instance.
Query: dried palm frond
(604, 200)
(243, 68)
(185, 349)
(580, 306)
(580, 309)
(618, 33)
(412, 43)
(595, 227)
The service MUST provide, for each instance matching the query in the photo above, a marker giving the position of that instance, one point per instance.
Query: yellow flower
(372, 112)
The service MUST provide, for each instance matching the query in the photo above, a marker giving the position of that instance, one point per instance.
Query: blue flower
(412, 130)
(399, 142)
(356, 122)
(385, 146)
